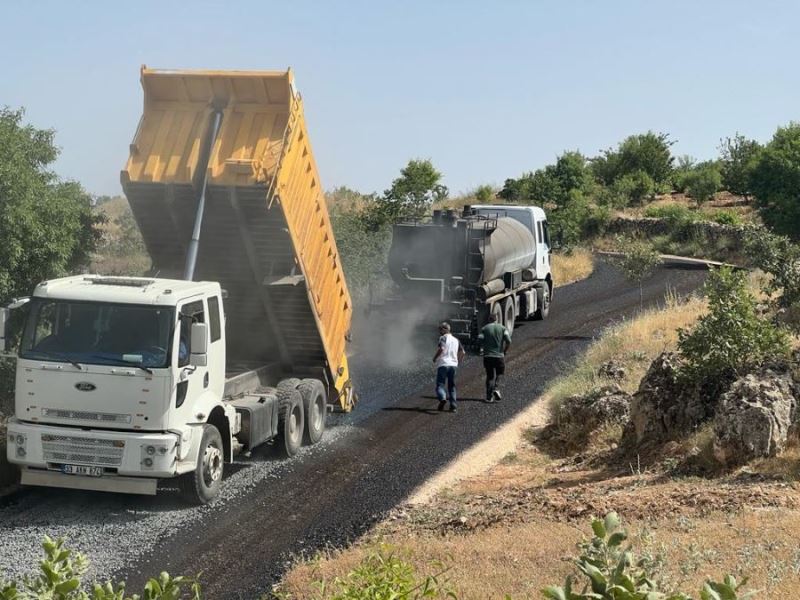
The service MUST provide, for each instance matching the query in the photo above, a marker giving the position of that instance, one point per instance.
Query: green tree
(648, 152)
(703, 181)
(738, 156)
(413, 193)
(46, 225)
(639, 259)
(732, 339)
(685, 166)
(633, 188)
(775, 181)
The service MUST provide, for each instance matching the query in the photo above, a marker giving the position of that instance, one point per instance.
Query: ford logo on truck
(85, 386)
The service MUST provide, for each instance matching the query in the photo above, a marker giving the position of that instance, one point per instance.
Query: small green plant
(703, 182)
(638, 260)
(726, 217)
(732, 339)
(61, 578)
(779, 257)
(384, 575)
(675, 214)
(615, 573)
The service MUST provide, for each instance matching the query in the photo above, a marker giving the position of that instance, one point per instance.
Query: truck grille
(88, 451)
(98, 417)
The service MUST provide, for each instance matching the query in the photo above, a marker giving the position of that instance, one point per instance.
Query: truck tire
(290, 420)
(543, 297)
(315, 405)
(203, 484)
(509, 313)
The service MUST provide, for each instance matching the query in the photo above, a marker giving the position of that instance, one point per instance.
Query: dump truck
(238, 337)
(461, 267)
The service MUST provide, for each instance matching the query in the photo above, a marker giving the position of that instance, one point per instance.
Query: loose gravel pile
(113, 530)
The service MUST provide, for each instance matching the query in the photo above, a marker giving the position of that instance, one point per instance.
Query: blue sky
(485, 90)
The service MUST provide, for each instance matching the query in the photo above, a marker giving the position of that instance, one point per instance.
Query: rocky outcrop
(663, 408)
(580, 415)
(756, 416)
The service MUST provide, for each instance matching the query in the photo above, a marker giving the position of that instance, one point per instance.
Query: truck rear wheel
(543, 297)
(509, 313)
(290, 419)
(203, 484)
(315, 404)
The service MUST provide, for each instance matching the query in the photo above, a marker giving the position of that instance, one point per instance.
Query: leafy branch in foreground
(61, 578)
(614, 572)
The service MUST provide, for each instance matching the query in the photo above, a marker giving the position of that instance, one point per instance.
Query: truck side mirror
(199, 345)
(5, 322)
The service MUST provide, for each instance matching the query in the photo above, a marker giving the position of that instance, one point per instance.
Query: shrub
(61, 578)
(614, 572)
(634, 188)
(732, 339)
(775, 181)
(703, 182)
(685, 165)
(780, 258)
(384, 575)
(726, 217)
(675, 214)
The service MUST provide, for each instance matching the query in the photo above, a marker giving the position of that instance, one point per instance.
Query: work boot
(496, 396)
(441, 405)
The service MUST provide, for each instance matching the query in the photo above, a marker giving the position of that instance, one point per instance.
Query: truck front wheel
(203, 484)
(315, 404)
(544, 303)
(290, 420)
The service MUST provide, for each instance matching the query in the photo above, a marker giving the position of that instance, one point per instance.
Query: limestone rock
(607, 405)
(755, 417)
(662, 409)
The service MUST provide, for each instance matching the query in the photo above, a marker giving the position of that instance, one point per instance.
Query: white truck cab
(116, 380)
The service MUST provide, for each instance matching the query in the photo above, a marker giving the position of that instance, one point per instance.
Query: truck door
(191, 381)
(542, 249)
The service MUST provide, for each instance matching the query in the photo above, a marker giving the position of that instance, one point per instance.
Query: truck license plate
(82, 470)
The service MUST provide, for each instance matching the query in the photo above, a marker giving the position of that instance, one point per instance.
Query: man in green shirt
(495, 341)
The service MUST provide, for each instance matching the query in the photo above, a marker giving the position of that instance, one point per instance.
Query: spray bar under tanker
(265, 232)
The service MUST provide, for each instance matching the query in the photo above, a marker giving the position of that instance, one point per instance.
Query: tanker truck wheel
(543, 296)
(509, 313)
(315, 404)
(290, 419)
(202, 485)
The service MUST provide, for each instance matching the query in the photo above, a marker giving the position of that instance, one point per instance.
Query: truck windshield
(98, 333)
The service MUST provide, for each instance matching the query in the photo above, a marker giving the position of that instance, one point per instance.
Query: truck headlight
(148, 462)
(21, 452)
(151, 450)
(20, 439)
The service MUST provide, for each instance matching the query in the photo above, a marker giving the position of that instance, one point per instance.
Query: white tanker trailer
(460, 268)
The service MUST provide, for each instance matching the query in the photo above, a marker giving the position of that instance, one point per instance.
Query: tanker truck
(460, 268)
(239, 336)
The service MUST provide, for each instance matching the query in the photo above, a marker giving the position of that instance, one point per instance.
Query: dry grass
(633, 344)
(568, 268)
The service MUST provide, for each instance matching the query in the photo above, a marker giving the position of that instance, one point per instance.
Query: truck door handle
(205, 380)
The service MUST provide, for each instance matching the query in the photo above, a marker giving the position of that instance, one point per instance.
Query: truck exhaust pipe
(194, 243)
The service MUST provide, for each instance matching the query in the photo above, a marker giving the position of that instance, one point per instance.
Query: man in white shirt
(448, 354)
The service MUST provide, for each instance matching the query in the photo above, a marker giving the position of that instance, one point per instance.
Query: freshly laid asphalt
(329, 495)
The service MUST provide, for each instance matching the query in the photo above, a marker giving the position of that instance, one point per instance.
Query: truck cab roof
(124, 290)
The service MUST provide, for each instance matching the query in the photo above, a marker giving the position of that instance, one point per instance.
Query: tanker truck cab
(119, 383)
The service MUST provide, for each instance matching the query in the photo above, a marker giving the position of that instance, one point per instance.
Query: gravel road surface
(370, 460)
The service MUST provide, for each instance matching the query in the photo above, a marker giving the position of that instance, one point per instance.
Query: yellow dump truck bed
(266, 234)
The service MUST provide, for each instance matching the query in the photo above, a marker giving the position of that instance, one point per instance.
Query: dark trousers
(495, 367)
(448, 375)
